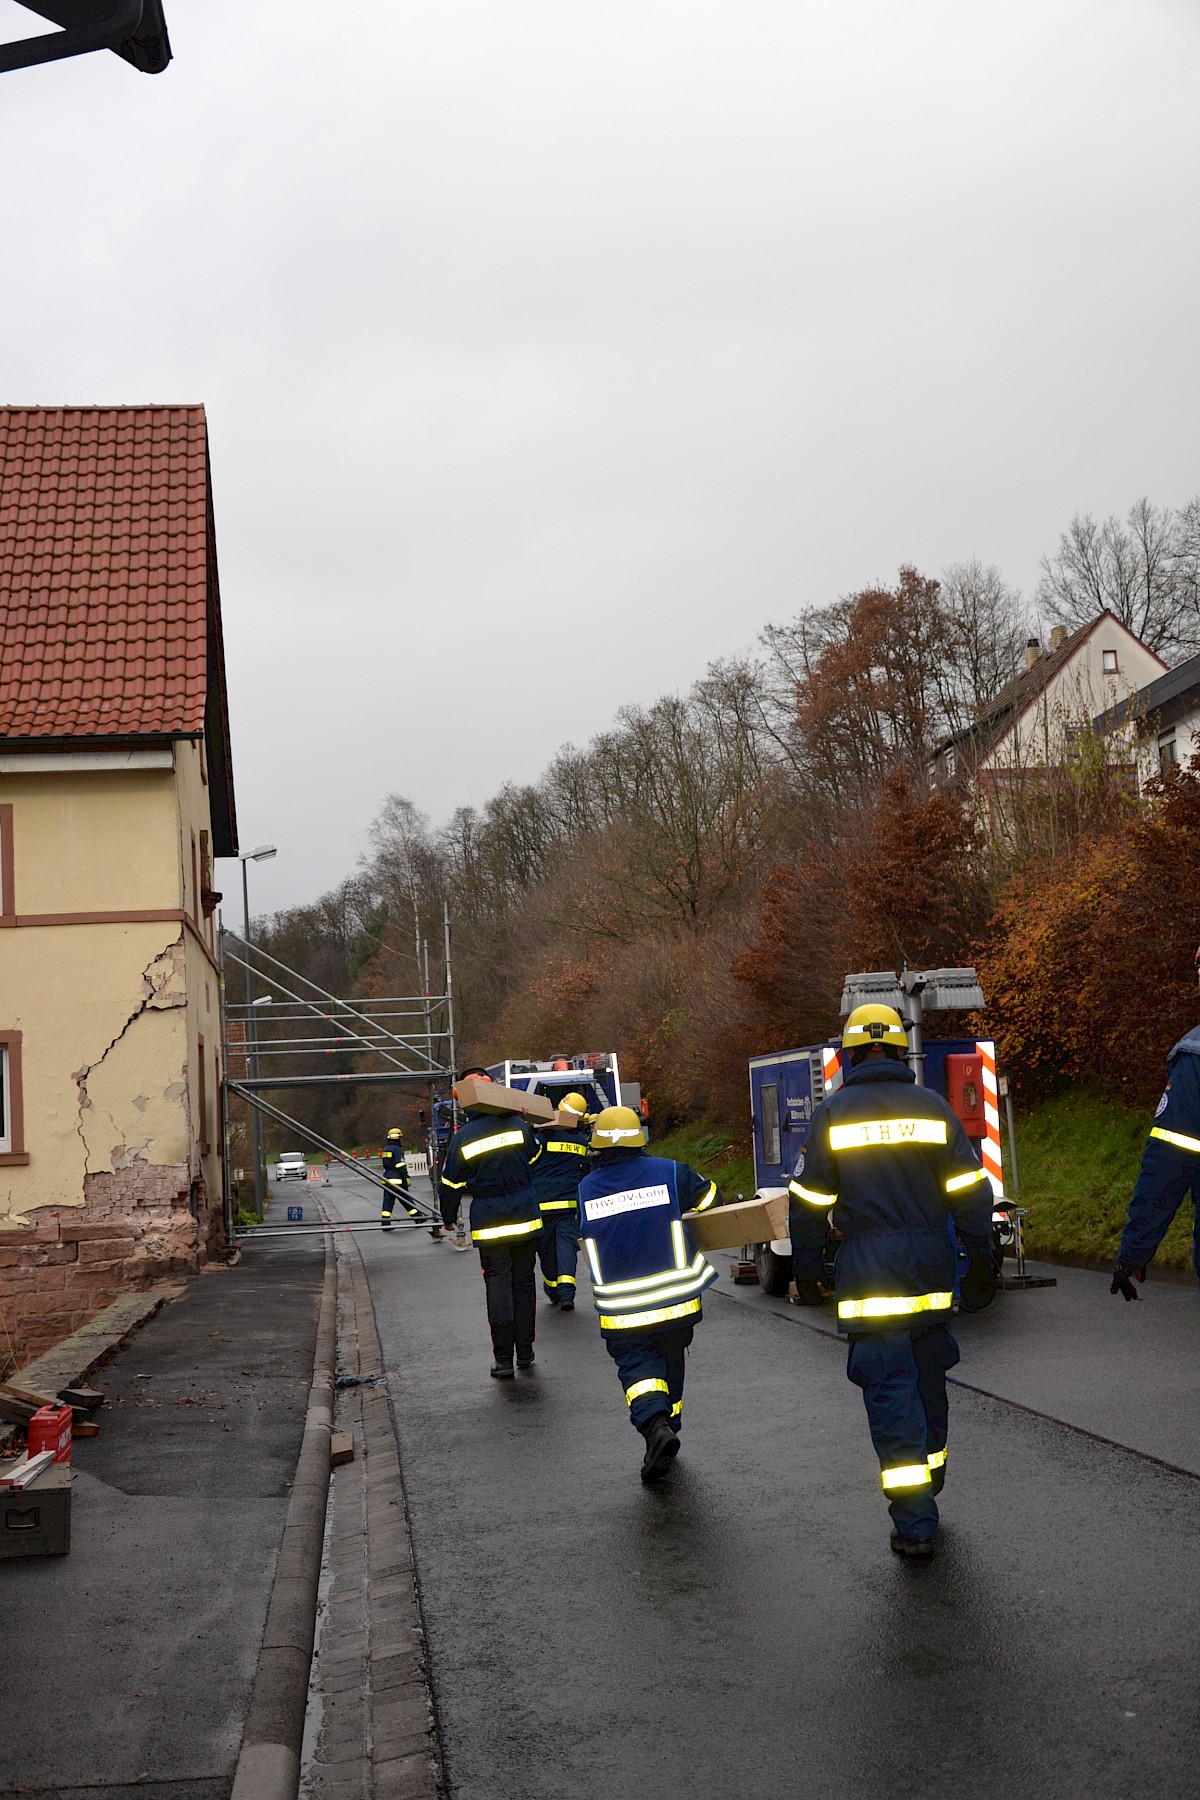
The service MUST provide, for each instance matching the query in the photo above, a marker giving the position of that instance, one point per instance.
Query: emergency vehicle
(787, 1088)
(592, 1073)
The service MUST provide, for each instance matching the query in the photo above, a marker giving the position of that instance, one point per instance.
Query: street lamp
(262, 854)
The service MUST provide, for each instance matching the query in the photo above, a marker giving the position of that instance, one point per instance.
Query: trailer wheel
(774, 1272)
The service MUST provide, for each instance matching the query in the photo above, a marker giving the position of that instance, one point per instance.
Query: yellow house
(116, 793)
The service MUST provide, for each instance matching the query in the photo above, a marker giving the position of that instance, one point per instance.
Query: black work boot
(661, 1447)
(502, 1369)
(525, 1357)
(386, 1221)
(915, 1549)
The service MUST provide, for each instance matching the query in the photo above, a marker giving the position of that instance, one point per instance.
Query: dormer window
(1109, 659)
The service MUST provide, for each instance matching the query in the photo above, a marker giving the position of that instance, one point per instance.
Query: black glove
(978, 1288)
(1123, 1280)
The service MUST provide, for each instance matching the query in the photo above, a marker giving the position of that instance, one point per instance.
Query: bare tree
(990, 625)
(1146, 571)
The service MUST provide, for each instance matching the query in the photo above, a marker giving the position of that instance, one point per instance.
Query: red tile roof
(104, 572)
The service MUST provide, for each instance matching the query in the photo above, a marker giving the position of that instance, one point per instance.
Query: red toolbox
(50, 1429)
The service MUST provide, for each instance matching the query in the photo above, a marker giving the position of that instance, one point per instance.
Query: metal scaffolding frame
(411, 1034)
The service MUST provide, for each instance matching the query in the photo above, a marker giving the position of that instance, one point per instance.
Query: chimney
(1032, 651)
(1058, 637)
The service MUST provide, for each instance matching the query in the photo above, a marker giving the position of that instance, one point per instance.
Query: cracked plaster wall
(101, 1009)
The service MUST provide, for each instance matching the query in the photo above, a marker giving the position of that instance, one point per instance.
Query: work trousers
(902, 1375)
(558, 1252)
(509, 1276)
(397, 1191)
(651, 1368)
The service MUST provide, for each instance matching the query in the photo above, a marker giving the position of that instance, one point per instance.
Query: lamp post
(262, 854)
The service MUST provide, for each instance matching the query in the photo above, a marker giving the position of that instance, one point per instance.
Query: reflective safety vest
(562, 1167)
(892, 1160)
(491, 1157)
(645, 1273)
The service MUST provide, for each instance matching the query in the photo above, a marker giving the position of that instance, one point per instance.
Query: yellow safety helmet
(874, 1025)
(573, 1103)
(617, 1128)
(395, 1132)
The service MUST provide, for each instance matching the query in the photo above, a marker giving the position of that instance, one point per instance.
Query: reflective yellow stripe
(660, 1316)
(894, 1306)
(957, 1182)
(887, 1134)
(481, 1146)
(812, 1195)
(506, 1231)
(639, 1388)
(1175, 1137)
(452, 1184)
(571, 1149)
(614, 1290)
(708, 1198)
(680, 1243)
(589, 1245)
(936, 1459)
(676, 1408)
(691, 1282)
(567, 1280)
(911, 1475)
(560, 1206)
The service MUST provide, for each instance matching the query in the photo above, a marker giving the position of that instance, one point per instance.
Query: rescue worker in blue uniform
(892, 1160)
(395, 1173)
(1170, 1166)
(646, 1278)
(490, 1158)
(556, 1178)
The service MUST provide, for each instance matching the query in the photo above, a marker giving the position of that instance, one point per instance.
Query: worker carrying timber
(892, 1160)
(646, 1278)
(395, 1173)
(557, 1176)
(490, 1159)
(1170, 1166)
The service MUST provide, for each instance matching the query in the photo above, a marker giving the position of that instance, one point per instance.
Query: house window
(12, 1117)
(1168, 752)
(1109, 659)
(770, 1124)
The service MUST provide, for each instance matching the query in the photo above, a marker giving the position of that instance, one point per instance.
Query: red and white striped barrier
(831, 1069)
(989, 1149)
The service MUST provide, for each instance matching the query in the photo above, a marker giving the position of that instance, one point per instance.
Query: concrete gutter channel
(366, 1697)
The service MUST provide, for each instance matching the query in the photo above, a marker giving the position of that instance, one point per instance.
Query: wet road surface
(744, 1631)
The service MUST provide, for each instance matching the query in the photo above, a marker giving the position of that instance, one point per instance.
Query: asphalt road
(129, 1662)
(744, 1631)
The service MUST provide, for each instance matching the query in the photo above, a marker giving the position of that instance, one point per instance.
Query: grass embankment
(1078, 1157)
(712, 1150)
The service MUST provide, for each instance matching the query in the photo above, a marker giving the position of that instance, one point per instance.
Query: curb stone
(372, 1726)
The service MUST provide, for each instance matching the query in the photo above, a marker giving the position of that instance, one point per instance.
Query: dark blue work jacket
(394, 1166)
(1171, 1160)
(492, 1157)
(562, 1166)
(645, 1272)
(891, 1159)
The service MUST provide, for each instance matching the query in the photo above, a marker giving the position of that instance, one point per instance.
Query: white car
(291, 1163)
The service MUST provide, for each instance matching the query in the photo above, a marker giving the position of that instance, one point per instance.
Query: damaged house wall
(117, 1190)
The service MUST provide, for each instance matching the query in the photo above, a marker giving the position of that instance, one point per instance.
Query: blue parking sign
(295, 1212)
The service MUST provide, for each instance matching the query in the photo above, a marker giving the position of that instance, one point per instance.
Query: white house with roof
(1160, 724)
(1029, 726)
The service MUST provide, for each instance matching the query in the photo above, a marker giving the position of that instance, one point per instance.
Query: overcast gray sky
(552, 347)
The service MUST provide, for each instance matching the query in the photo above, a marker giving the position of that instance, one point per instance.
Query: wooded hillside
(690, 886)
